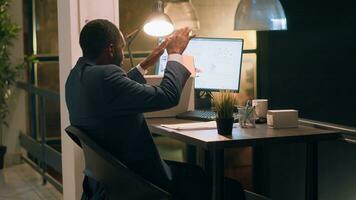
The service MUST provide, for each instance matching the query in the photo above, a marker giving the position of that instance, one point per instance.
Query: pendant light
(260, 15)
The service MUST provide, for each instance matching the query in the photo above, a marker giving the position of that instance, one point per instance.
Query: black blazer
(108, 104)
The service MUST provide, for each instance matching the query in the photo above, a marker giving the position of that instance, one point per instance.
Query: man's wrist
(174, 52)
(143, 65)
(176, 57)
(142, 70)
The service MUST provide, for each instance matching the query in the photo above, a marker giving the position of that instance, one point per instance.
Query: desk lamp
(260, 15)
(158, 24)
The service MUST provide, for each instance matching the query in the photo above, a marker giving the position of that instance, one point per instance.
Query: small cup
(261, 107)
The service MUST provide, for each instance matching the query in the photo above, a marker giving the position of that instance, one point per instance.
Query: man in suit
(108, 104)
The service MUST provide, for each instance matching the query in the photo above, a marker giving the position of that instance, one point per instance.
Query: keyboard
(198, 115)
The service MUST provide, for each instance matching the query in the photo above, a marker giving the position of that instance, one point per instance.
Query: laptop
(186, 102)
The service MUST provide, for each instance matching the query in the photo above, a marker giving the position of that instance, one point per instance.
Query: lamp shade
(260, 15)
(158, 25)
(182, 13)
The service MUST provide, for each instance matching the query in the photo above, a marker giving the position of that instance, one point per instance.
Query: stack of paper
(193, 126)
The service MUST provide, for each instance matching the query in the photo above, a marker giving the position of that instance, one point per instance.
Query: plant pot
(224, 126)
(2, 154)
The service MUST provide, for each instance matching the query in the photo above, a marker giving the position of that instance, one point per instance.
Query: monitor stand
(202, 100)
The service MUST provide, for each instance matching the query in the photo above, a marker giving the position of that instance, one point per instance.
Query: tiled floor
(21, 182)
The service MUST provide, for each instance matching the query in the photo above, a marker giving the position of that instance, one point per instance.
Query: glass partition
(46, 27)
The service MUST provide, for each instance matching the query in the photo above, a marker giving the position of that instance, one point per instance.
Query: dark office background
(310, 67)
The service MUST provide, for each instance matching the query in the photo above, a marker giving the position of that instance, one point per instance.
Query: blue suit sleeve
(128, 96)
(136, 75)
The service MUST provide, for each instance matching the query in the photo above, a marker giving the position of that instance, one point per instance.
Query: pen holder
(247, 117)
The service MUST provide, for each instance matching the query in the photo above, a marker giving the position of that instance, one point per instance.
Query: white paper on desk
(193, 126)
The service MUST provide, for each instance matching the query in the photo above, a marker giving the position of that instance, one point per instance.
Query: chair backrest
(119, 181)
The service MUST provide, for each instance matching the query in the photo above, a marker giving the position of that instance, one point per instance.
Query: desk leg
(311, 176)
(217, 174)
(191, 154)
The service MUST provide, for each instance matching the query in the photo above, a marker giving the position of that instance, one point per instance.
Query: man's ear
(110, 50)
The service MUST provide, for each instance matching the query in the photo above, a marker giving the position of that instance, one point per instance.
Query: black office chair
(120, 183)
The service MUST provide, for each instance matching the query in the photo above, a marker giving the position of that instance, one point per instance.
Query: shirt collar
(85, 61)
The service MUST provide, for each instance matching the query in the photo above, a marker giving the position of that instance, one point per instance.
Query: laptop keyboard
(198, 115)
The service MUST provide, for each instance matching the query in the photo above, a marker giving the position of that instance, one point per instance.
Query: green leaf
(8, 71)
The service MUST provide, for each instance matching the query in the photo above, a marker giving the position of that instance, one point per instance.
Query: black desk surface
(262, 134)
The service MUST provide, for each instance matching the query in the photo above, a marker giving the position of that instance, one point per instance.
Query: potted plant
(224, 103)
(8, 71)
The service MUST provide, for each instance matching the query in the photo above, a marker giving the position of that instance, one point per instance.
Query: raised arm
(137, 72)
(129, 96)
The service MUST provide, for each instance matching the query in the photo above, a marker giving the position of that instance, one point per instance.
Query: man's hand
(154, 56)
(179, 41)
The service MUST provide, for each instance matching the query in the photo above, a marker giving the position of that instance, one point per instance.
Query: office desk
(215, 144)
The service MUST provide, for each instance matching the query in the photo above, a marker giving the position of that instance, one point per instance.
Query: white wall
(18, 102)
(69, 51)
(72, 14)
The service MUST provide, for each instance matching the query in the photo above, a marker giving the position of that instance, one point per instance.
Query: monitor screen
(217, 62)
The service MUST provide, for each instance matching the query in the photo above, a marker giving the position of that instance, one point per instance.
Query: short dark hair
(96, 35)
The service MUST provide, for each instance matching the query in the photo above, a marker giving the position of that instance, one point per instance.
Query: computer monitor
(217, 61)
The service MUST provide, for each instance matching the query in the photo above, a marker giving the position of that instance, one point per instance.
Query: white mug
(261, 107)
